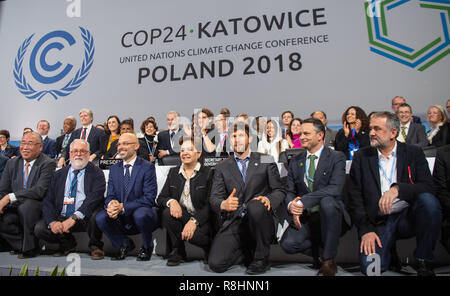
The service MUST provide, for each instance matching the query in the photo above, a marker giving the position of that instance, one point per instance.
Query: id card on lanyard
(69, 200)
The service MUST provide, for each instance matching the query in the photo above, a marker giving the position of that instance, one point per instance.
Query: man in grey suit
(410, 132)
(315, 181)
(23, 185)
(246, 190)
(330, 134)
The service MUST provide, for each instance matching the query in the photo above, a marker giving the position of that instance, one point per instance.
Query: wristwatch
(75, 217)
(194, 220)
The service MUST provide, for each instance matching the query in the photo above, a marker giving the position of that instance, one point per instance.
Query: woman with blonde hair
(438, 135)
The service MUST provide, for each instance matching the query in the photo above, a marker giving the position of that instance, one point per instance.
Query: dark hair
(287, 111)
(318, 125)
(225, 112)
(256, 125)
(360, 114)
(289, 132)
(195, 141)
(210, 115)
(128, 121)
(324, 114)
(151, 120)
(406, 105)
(276, 125)
(43, 120)
(106, 125)
(6, 134)
(239, 125)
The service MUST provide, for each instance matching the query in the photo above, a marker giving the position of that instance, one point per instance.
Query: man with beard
(130, 202)
(391, 198)
(75, 195)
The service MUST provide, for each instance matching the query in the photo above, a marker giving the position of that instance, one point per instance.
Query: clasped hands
(62, 227)
(114, 209)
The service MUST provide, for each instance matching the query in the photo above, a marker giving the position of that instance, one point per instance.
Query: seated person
(355, 133)
(130, 206)
(410, 132)
(272, 143)
(112, 133)
(441, 176)
(184, 199)
(7, 149)
(126, 126)
(438, 135)
(75, 195)
(147, 149)
(293, 133)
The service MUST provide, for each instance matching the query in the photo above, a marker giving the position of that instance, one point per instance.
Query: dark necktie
(66, 140)
(243, 168)
(311, 173)
(127, 178)
(70, 208)
(83, 134)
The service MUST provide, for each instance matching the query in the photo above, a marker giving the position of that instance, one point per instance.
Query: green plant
(24, 271)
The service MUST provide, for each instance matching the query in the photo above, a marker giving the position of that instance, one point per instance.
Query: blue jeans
(421, 219)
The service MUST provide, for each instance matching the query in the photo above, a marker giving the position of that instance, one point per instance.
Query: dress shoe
(258, 266)
(123, 252)
(424, 269)
(28, 254)
(328, 268)
(144, 254)
(176, 257)
(66, 248)
(206, 254)
(97, 254)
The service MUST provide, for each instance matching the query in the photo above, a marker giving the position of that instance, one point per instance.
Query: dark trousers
(65, 240)
(422, 219)
(175, 227)
(246, 239)
(300, 240)
(143, 220)
(18, 222)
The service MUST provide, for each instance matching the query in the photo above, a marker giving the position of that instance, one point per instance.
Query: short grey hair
(37, 135)
(174, 112)
(392, 121)
(80, 141)
(88, 112)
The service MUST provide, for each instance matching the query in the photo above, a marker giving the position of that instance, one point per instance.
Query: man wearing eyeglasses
(410, 132)
(23, 185)
(75, 195)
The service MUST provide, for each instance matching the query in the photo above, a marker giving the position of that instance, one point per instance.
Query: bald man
(130, 202)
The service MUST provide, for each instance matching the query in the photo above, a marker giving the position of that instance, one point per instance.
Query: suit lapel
(374, 168)
(134, 173)
(301, 166)
(320, 169)
(236, 175)
(401, 160)
(61, 188)
(33, 171)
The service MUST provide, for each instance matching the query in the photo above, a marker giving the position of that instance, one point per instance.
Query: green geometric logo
(421, 58)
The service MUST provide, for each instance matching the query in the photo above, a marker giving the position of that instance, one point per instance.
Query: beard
(377, 143)
(79, 163)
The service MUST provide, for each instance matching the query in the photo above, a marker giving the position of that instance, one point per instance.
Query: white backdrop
(334, 74)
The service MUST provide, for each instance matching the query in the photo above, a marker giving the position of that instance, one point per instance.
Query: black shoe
(424, 269)
(144, 254)
(258, 266)
(123, 251)
(28, 254)
(66, 248)
(176, 257)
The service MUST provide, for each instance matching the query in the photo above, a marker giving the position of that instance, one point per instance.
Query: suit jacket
(141, 191)
(200, 188)
(49, 147)
(441, 176)
(94, 139)
(38, 178)
(329, 179)
(3, 160)
(262, 178)
(341, 141)
(94, 189)
(11, 151)
(104, 145)
(164, 141)
(413, 177)
(442, 137)
(416, 135)
(330, 136)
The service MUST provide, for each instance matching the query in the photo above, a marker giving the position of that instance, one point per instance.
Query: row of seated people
(392, 195)
(270, 137)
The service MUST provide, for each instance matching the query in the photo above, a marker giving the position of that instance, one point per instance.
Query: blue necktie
(243, 169)
(127, 179)
(70, 208)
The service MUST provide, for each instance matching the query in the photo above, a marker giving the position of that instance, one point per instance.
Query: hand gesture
(231, 203)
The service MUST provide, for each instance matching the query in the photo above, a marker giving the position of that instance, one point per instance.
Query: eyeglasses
(28, 144)
(125, 143)
(79, 151)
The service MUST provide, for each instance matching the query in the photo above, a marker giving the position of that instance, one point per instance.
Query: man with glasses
(23, 185)
(410, 132)
(130, 206)
(75, 195)
(396, 102)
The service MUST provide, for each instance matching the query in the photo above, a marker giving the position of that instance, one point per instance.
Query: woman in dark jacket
(147, 144)
(439, 133)
(7, 149)
(355, 133)
(184, 199)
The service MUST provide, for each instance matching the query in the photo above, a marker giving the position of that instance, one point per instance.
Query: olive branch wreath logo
(28, 91)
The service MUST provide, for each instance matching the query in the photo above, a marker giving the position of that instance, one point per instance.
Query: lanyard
(72, 183)
(392, 170)
(148, 146)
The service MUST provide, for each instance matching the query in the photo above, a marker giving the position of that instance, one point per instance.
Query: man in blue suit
(130, 202)
(49, 145)
(315, 181)
(75, 195)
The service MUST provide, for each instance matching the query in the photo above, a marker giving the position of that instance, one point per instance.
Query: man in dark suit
(49, 145)
(75, 195)
(168, 140)
(223, 145)
(3, 160)
(62, 141)
(330, 134)
(23, 185)
(246, 189)
(315, 181)
(130, 202)
(87, 132)
(410, 132)
(396, 102)
(441, 176)
(391, 198)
